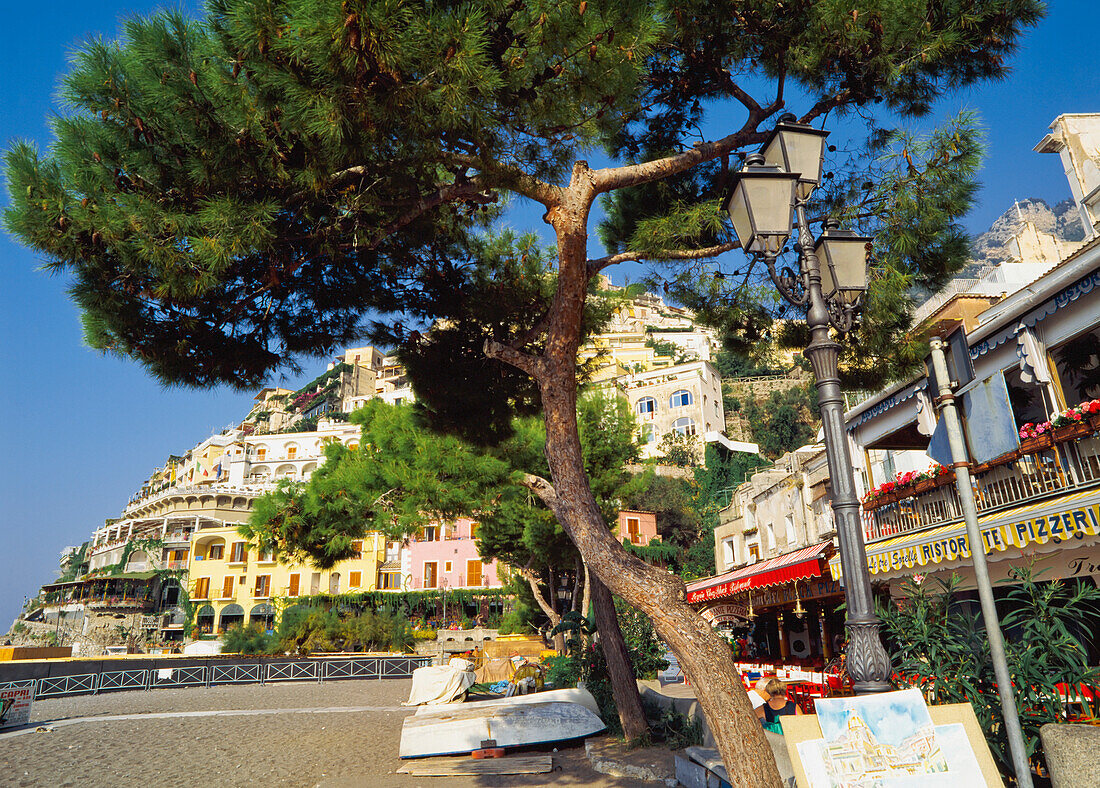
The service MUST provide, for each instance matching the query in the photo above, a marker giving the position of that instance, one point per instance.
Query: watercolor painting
(885, 741)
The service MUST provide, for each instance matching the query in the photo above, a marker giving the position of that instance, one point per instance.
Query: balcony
(1042, 468)
(177, 539)
(118, 603)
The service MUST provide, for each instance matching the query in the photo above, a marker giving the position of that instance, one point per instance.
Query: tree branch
(543, 489)
(611, 178)
(526, 362)
(742, 95)
(473, 190)
(579, 586)
(509, 177)
(597, 265)
(532, 581)
(826, 105)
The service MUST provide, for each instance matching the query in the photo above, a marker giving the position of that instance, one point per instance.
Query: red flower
(1094, 406)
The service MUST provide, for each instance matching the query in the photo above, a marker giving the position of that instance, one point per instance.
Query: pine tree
(232, 192)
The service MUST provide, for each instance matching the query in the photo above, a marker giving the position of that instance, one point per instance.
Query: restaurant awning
(1057, 523)
(798, 565)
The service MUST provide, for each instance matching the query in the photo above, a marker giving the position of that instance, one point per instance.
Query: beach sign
(15, 706)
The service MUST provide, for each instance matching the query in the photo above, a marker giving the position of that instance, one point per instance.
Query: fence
(318, 670)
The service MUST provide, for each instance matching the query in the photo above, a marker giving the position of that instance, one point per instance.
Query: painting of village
(885, 741)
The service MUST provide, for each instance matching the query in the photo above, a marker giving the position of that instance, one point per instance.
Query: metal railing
(375, 667)
(1063, 467)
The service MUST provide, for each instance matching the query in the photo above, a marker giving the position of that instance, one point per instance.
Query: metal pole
(868, 663)
(961, 464)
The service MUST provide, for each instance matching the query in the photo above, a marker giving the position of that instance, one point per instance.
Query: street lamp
(759, 204)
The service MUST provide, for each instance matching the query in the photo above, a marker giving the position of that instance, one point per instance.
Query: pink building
(446, 556)
(636, 527)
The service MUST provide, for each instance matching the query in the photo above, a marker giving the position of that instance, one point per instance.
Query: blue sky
(83, 430)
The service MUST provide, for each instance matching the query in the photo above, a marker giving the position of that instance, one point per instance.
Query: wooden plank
(457, 767)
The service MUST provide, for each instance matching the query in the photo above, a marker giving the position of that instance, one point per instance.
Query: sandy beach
(297, 734)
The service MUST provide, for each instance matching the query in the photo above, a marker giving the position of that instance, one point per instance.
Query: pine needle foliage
(231, 192)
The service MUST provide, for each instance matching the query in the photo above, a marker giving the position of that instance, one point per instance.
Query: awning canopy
(799, 565)
(1058, 522)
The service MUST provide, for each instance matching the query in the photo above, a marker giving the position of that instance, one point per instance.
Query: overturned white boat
(576, 695)
(462, 729)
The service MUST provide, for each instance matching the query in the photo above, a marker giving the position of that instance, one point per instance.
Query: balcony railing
(1036, 472)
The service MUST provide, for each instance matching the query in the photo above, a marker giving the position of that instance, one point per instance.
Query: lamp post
(829, 285)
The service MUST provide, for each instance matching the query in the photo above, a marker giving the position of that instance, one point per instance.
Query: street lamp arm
(789, 284)
(843, 317)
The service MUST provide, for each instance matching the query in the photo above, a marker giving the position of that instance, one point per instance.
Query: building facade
(1035, 354)
(231, 584)
(445, 556)
(685, 398)
(770, 551)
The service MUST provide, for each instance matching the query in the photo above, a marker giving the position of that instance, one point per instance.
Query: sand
(337, 734)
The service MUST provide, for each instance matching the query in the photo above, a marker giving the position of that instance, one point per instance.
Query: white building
(686, 398)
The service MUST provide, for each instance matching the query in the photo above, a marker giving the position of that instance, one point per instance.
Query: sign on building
(15, 706)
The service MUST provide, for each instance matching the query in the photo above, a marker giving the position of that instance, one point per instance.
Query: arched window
(646, 406)
(680, 398)
(261, 452)
(684, 426)
(291, 451)
(649, 433)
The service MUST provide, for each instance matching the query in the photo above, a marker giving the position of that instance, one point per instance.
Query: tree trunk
(555, 619)
(703, 655)
(580, 588)
(624, 687)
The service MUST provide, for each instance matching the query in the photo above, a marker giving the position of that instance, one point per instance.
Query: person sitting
(778, 705)
(758, 696)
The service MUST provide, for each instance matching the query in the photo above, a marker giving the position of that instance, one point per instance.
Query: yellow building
(232, 584)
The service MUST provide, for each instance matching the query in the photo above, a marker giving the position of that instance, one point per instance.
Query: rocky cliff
(1062, 221)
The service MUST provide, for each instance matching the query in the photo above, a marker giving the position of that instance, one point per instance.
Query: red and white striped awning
(799, 565)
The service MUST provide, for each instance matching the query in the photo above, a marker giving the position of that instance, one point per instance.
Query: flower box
(1072, 432)
(1036, 444)
(944, 479)
(1094, 422)
(1003, 459)
(924, 485)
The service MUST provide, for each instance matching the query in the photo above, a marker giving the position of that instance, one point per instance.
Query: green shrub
(647, 654)
(672, 728)
(304, 630)
(515, 623)
(563, 671)
(942, 649)
(249, 640)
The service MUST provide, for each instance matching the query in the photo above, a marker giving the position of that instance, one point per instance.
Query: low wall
(9, 653)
